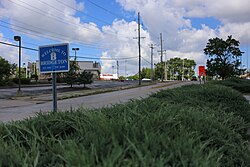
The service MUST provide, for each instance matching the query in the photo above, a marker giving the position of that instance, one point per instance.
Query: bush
(212, 96)
(6, 82)
(167, 129)
(242, 85)
(25, 81)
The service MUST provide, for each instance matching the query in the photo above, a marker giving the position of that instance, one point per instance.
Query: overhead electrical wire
(99, 58)
(54, 17)
(51, 16)
(22, 41)
(35, 33)
(39, 34)
(124, 35)
(33, 49)
(100, 20)
(106, 10)
(5, 43)
(55, 37)
(145, 60)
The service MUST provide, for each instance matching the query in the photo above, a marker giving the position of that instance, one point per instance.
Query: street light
(18, 38)
(75, 49)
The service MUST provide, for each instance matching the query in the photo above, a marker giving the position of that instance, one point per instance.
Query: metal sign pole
(54, 92)
(54, 59)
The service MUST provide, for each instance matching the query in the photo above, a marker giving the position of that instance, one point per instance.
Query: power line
(75, 10)
(5, 43)
(54, 17)
(33, 49)
(37, 33)
(51, 16)
(105, 58)
(121, 35)
(106, 10)
(146, 60)
(22, 41)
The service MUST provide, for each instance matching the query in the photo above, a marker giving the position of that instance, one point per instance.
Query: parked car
(194, 78)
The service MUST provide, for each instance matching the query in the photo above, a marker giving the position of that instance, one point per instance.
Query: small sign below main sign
(54, 58)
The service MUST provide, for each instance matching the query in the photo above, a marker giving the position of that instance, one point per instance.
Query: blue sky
(104, 30)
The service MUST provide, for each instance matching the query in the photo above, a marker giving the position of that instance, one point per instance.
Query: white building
(90, 66)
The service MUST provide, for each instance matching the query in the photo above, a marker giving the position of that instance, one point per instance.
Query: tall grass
(180, 127)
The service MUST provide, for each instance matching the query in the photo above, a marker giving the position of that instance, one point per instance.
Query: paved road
(47, 88)
(26, 109)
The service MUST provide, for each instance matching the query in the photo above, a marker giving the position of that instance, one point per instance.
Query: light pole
(183, 70)
(18, 38)
(75, 49)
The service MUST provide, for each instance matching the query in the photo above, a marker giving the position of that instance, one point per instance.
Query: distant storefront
(89, 66)
(108, 77)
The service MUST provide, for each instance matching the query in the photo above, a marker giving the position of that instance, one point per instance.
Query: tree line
(9, 75)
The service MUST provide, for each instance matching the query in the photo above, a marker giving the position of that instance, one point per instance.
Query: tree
(159, 70)
(224, 57)
(122, 78)
(133, 77)
(175, 68)
(145, 73)
(178, 67)
(72, 75)
(85, 78)
(6, 71)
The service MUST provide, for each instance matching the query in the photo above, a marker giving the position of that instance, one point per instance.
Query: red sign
(202, 71)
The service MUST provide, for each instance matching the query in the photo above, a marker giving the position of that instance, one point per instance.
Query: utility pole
(183, 70)
(161, 47)
(161, 51)
(117, 65)
(152, 62)
(113, 69)
(139, 45)
(125, 69)
(247, 58)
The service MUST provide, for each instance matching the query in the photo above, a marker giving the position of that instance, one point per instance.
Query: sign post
(202, 73)
(53, 59)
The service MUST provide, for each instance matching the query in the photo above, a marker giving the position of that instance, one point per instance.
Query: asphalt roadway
(12, 110)
(47, 88)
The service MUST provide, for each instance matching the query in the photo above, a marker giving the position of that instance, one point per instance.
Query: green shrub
(25, 81)
(210, 95)
(242, 85)
(167, 129)
(6, 82)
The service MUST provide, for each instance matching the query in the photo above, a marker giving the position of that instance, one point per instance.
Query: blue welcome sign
(54, 58)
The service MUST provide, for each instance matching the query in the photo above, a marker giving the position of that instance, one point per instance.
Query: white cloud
(173, 18)
(124, 47)
(240, 31)
(224, 10)
(12, 53)
(49, 19)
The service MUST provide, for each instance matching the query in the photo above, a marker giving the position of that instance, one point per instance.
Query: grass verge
(242, 85)
(199, 125)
